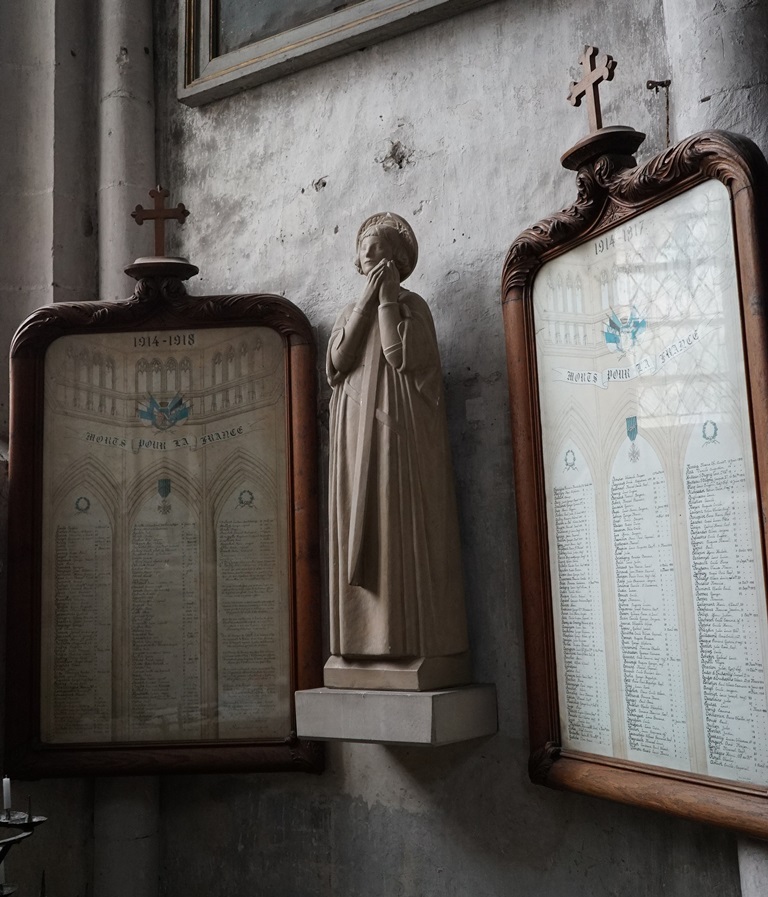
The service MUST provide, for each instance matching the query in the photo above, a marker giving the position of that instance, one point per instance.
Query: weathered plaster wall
(719, 66)
(459, 127)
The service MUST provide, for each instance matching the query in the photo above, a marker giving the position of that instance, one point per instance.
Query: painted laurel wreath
(82, 504)
(709, 431)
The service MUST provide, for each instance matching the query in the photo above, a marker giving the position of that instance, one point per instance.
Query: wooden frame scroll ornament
(637, 351)
(163, 573)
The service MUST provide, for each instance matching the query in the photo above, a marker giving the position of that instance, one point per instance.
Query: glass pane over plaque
(165, 581)
(655, 540)
(242, 22)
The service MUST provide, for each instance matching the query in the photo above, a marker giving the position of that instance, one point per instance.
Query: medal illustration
(245, 499)
(709, 432)
(634, 451)
(164, 490)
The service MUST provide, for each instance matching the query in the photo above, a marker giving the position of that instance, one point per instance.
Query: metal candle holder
(24, 825)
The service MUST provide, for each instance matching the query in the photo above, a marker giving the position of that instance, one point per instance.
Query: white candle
(6, 793)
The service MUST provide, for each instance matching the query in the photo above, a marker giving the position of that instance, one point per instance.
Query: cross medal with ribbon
(164, 490)
(634, 451)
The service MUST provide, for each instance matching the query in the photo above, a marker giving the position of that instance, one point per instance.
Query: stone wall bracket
(413, 718)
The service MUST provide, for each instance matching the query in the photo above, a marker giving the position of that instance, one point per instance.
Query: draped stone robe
(395, 572)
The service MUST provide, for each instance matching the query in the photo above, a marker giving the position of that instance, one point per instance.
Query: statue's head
(398, 236)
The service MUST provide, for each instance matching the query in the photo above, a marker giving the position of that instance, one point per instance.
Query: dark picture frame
(160, 313)
(614, 199)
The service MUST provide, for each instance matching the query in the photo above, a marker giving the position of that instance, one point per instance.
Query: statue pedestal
(397, 717)
(415, 674)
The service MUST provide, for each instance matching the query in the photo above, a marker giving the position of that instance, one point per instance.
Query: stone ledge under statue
(414, 718)
(406, 674)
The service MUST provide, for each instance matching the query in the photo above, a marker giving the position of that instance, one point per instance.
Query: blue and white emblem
(164, 415)
(621, 336)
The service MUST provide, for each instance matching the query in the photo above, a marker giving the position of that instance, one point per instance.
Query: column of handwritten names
(165, 630)
(585, 702)
(649, 633)
(82, 638)
(253, 686)
(728, 625)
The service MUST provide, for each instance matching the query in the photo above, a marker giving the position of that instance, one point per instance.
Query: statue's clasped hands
(383, 285)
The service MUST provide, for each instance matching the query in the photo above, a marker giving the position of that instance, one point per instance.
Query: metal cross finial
(160, 215)
(588, 86)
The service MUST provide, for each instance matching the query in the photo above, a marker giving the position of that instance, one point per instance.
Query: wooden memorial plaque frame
(637, 347)
(163, 566)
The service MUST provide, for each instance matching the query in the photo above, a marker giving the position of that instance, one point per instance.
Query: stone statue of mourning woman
(396, 594)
